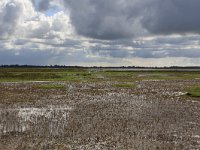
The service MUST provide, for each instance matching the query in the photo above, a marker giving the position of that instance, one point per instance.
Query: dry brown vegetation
(155, 114)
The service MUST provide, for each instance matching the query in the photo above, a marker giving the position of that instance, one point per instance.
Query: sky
(100, 32)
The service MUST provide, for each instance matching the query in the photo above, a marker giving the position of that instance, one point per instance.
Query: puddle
(196, 136)
(49, 121)
(174, 93)
(179, 93)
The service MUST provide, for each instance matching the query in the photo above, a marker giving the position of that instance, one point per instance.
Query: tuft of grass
(194, 91)
(49, 86)
(124, 85)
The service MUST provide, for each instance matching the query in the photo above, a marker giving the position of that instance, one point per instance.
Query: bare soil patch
(155, 114)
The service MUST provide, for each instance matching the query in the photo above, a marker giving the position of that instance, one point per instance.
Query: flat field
(93, 109)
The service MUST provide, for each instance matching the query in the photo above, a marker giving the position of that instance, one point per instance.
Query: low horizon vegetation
(91, 75)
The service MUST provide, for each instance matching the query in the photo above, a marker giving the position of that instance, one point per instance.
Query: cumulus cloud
(18, 18)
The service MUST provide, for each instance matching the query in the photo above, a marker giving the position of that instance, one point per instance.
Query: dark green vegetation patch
(124, 85)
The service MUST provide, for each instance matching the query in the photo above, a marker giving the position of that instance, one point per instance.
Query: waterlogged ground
(147, 114)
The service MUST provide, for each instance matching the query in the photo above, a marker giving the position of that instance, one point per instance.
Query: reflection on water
(50, 121)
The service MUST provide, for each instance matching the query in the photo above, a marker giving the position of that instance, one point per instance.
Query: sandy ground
(153, 115)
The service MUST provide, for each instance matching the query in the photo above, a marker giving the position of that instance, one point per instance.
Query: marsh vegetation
(98, 109)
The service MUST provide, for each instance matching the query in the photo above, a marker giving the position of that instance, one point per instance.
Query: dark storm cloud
(172, 16)
(116, 19)
(104, 19)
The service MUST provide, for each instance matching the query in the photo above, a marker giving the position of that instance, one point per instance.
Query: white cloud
(19, 19)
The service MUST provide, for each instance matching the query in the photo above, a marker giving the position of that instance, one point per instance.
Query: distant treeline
(128, 67)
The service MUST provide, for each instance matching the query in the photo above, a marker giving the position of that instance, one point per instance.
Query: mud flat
(154, 114)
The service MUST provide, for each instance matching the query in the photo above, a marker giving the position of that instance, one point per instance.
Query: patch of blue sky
(53, 10)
